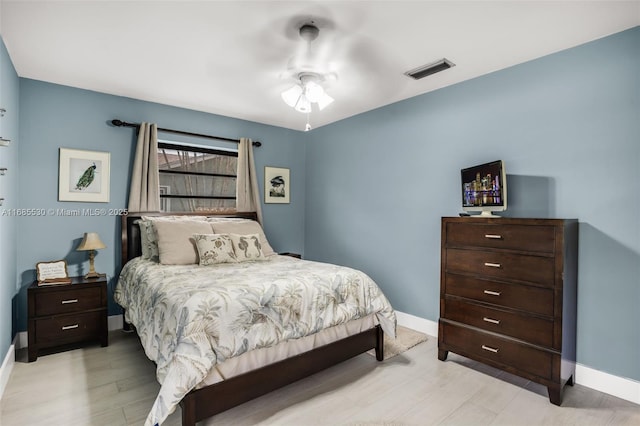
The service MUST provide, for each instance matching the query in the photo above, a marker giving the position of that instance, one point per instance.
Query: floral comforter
(191, 317)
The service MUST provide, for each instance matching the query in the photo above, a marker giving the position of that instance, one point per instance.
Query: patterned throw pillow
(148, 242)
(243, 227)
(247, 247)
(214, 249)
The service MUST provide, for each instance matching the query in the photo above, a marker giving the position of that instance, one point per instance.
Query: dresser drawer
(533, 330)
(527, 298)
(510, 266)
(68, 299)
(69, 328)
(513, 237)
(488, 347)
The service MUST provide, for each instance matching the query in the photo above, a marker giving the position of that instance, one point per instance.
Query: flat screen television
(484, 188)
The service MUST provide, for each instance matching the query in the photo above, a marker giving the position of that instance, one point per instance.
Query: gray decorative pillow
(247, 247)
(214, 249)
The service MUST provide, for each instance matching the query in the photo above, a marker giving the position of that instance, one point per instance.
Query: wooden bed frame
(202, 403)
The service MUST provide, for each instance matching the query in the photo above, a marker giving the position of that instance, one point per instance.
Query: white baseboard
(114, 322)
(416, 323)
(617, 386)
(7, 366)
(620, 387)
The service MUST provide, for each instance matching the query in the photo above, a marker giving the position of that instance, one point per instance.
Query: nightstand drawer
(530, 329)
(69, 328)
(517, 296)
(68, 299)
(503, 352)
(534, 269)
(512, 237)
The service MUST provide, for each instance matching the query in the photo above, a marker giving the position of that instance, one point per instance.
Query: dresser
(65, 314)
(508, 296)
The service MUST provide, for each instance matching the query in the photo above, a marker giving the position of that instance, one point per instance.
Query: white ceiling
(233, 57)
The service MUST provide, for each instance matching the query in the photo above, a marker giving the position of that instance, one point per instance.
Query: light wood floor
(116, 386)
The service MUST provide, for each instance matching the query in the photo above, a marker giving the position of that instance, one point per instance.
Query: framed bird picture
(277, 187)
(84, 176)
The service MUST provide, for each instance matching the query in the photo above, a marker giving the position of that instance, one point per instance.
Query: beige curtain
(144, 195)
(247, 191)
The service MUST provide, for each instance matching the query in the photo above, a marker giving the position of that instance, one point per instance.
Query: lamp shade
(91, 241)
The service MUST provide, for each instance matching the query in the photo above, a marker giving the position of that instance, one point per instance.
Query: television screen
(484, 188)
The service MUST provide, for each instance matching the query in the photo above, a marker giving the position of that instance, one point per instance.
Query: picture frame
(54, 272)
(277, 185)
(84, 176)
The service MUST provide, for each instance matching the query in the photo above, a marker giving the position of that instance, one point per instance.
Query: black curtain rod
(120, 123)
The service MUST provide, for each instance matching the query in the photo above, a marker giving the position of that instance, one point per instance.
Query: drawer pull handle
(69, 327)
(492, 293)
(493, 236)
(491, 320)
(490, 349)
(65, 302)
(492, 265)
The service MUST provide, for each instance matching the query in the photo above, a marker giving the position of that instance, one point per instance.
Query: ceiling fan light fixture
(308, 91)
(303, 105)
(324, 101)
(313, 91)
(291, 95)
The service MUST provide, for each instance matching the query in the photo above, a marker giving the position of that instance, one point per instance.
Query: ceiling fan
(308, 88)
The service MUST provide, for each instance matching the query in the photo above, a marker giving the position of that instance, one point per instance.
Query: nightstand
(67, 313)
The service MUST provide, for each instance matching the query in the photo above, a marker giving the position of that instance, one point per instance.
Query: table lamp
(91, 242)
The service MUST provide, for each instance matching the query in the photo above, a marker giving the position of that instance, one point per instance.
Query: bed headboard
(131, 231)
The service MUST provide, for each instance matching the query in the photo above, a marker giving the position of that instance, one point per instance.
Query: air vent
(425, 70)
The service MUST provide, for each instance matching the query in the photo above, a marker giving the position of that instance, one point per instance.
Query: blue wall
(9, 100)
(54, 116)
(568, 128)
(369, 191)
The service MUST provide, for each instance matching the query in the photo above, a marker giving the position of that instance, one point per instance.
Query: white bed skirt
(264, 356)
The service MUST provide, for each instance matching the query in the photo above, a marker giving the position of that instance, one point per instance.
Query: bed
(213, 364)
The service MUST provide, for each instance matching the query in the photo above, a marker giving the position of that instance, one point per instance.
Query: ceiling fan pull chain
(308, 126)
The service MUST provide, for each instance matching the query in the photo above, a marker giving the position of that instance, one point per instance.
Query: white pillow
(244, 227)
(247, 247)
(214, 249)
(176, 245)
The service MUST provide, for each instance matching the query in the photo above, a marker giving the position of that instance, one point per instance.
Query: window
(196, 178)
